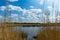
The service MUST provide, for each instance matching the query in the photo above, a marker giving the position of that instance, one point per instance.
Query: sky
(27, 10)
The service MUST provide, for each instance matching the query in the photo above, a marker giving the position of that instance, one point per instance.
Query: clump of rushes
(13, 36)
(48, 34)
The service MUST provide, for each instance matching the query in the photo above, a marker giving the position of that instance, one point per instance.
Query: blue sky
(26, 10)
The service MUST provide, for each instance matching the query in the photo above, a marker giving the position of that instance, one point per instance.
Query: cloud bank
(28, 15)
(33, 14)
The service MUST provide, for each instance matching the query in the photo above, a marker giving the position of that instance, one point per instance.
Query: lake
(31, 31)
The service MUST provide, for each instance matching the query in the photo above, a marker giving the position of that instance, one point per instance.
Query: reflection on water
(31, 31)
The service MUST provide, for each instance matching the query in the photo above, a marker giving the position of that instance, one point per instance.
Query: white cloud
(12, 7)
(14, 15)
(36, 10)
(17, 8)
(1, 16)
(41, 2)
(24, 11)
(31, 11)
(22, 17)
(49, 7)
(2, 8)
(32, 14)
(31, 6)
(51, 0)
(12, 0)
(52, 19)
